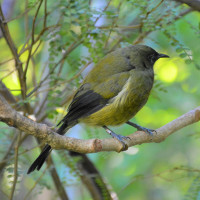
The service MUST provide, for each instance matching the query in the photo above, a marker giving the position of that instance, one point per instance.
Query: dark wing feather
(84, 105)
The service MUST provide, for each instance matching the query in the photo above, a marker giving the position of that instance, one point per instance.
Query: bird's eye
(152, 58)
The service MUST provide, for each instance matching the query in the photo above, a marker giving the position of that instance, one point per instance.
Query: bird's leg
(118, 137)
(140, 128)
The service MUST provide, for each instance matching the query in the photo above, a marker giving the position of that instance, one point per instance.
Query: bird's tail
(37, 164)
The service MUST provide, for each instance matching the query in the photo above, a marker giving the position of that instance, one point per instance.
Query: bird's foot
(146, 130)
(120, 138)
(140, 128)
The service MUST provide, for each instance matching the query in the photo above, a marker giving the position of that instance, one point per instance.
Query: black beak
(160, 55)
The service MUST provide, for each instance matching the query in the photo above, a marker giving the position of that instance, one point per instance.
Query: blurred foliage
(67, 39)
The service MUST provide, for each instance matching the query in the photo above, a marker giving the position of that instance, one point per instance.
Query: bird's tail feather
(37, 164)
(40, 159)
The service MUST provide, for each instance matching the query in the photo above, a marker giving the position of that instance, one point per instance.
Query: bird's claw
(121, 139)
(140, 128)
(147, 130)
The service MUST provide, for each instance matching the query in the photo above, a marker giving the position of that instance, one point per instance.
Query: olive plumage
(115, 89)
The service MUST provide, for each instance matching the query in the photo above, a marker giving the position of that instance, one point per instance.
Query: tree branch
(194, 4)
(18, 64)
(7, 94)
(92, 178)
(48, 135)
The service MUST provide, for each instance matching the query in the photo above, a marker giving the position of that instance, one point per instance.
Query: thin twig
(26, 19)
(22, 14)
(28, 47)
(69, 50)
(79, 73)
(113, 23)
(8, 74)
(18, 63)
(6, 156)
(56, 179)
(148, 13)
(45, 14)
(36, 182)
(15, 167)
(145, 34)
(32, 41)
(4, 62)
(120, 27)
(106, 7)
(170, 171)
(21, 153)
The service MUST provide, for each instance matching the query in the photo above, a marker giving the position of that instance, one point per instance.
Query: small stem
(37, 181)
(15, 166)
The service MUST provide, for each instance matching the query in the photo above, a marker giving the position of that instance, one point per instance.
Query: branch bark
(7, 94)
(194, 4)
(48, 135)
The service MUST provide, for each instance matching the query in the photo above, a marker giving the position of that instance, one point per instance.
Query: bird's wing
(90, 97)
(84, 105)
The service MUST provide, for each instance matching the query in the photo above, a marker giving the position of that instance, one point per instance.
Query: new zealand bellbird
(111, 94)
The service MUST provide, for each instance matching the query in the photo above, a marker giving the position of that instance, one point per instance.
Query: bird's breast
(133, 96)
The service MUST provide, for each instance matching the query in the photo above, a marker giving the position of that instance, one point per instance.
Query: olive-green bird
(111, 94)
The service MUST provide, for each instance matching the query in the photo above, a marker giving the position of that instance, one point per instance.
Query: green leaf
(183, 55)
(178, 50)
(188, 61)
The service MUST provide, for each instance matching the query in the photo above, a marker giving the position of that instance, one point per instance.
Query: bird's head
(148, 54)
